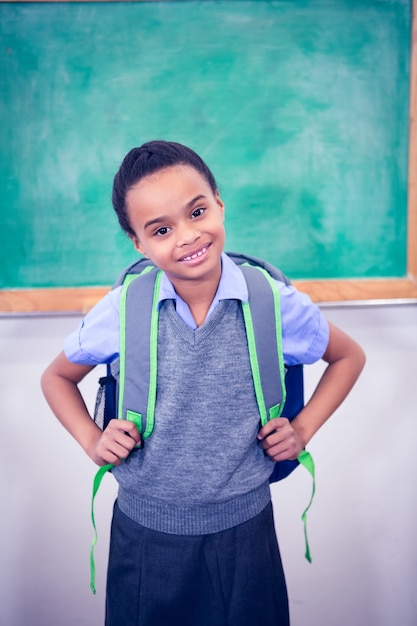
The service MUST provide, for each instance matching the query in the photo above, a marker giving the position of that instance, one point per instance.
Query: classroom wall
(361, 526)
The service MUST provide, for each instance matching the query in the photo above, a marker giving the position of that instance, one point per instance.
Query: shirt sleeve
(305, 332)
(96, 339)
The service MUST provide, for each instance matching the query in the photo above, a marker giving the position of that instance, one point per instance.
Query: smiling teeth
(196, 255)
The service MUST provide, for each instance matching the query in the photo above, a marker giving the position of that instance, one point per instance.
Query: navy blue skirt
(231, 578)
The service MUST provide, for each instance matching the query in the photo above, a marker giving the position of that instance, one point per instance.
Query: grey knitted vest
(203, 470)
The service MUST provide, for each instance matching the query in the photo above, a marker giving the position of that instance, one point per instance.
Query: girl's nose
(187, 234)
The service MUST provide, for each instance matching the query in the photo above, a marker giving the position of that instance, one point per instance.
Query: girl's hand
(115, 443)
(60, 386)
(280, 440)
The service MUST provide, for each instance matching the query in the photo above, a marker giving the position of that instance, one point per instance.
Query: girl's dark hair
(148, 159)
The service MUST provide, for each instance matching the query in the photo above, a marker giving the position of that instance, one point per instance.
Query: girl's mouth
(195, 255)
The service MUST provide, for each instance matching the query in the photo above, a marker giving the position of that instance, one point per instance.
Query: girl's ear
(220, 202)
(138, 245)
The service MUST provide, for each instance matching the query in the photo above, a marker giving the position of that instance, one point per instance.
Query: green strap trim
(250, 334)
(153, 359)
(96, 484)
(136, 418)
(306, 460)
(275, 411)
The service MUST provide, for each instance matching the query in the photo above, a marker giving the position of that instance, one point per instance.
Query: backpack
(278, 390)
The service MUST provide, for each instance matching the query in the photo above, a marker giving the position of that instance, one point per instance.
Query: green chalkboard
(299, 107)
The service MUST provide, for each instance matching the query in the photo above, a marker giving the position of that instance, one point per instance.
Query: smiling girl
(193, 541)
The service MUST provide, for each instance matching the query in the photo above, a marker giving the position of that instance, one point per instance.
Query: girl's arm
(60, 386)
(282, 439)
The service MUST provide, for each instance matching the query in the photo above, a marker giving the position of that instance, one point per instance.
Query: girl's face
(178, 223)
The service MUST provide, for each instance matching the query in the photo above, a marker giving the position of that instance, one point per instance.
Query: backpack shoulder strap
(279, 389)
(139, 266)
(247, 259)
(138, 354)
(262, 316)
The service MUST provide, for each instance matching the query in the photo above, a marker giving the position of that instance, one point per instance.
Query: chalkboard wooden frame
(81, 299)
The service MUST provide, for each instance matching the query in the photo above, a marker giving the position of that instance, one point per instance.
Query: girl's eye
(162, 231)
(198, 212)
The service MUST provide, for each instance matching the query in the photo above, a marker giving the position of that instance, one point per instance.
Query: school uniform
(193, 540)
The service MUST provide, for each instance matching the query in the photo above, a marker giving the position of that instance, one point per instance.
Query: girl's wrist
(89, 442)
(303, 432)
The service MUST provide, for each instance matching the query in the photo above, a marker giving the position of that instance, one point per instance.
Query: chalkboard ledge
(81, 299)
(60, 300)
(378, 289)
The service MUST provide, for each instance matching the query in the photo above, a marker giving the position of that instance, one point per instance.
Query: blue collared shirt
(305, 332)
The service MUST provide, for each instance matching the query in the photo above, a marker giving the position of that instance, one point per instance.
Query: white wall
(361, 526)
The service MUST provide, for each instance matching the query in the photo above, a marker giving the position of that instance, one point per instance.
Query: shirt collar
(232, 285)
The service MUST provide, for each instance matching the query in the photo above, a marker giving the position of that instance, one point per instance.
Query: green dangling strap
(96, 484)
(306, 460)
